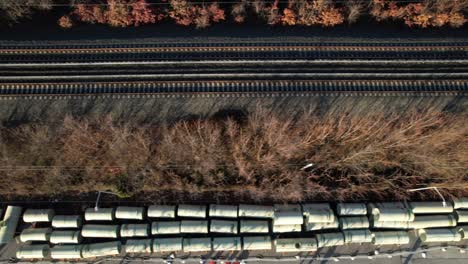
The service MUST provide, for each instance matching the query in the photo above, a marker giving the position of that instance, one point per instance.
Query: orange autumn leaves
(325, 13)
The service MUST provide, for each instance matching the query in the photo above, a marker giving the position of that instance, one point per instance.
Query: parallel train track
(234, 69)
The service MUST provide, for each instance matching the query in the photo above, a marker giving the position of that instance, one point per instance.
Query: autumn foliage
(325, 13)
(118, 13)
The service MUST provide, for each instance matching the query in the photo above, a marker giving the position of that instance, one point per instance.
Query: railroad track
(233, 69)
(236, 88)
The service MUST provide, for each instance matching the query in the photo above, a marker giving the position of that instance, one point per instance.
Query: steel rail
(283, 62)
(462, 75)
(228, 49)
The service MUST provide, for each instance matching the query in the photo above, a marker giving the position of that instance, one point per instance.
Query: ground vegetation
(259, 157)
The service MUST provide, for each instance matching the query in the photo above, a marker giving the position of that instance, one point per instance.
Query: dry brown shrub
(258, 159)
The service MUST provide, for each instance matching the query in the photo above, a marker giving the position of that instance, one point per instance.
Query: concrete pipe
(33, 252)
(351, 209)
(295, 245)
(194, 226)
(100, 231)
(440, 235)
(160, 228)
(460, 203)
(227, 211)
(127, 212)
(227, 244)
(35, 234)
(67, 221)
(392, 214)
(391, 225)
(138, 246)
(38, 215)
(134, 230)
(101, 249)
(318, 213)
(321, 226)
(223, 226)
(430, 207)
(391, 238)
(354, 222)
(288, 218)
(287, 228)
(256, 211)
(256, 243)
(254, 226)
(197, 244)
(462, 216)
(196, 211)
(101, 214)
(66, 252)
(167, 245)
(357, 236)
(10, 222)
(161, 211)
(330, 240)
(428, 221)
(65, 237)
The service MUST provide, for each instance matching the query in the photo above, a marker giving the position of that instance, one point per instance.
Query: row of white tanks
(279, 245)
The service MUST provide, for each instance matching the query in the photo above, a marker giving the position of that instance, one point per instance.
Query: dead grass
(258, 159)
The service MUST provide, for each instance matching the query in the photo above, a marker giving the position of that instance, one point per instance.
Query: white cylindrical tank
(462, 216)
(227, 244)
(128, 212)
(35, 234)
(101, 249)
(65, 237)
(194, 226)
(66, 221)
(391, 225)
(134, 230)
(197, 244)
(167, 244)
(351, 209)
(66, 252)
(288, 218)
(10, 222)
(159, 228)
(187, 210)
(321, 226)
(33, 252)
(138, 246)
(392, 214)
(295, 244)
(391, 238)
(101, 231)
(228, 211)
(460, 203)
(287, 228)
(256, 211)
(318, 213)
(357, 236)
(161, 211)
(354, 222)
(430, 207)
(38, 215)
(256, 243)
(102, 214)
(440, 235)
(372, 206)
(427, 221)
(223, 226)
(254, 226)
(329, 240)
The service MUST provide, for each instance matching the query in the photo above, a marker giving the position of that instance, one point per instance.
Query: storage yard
(237, 232)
